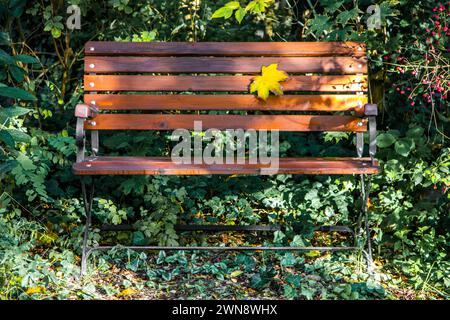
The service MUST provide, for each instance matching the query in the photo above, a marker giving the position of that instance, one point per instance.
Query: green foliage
(254, 7)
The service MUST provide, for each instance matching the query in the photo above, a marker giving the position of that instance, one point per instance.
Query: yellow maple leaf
(127, 292)
(268, 81)
(32, 290)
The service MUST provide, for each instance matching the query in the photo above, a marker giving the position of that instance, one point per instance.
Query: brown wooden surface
(228, 102)
(225, 48)
(159, 165)
(348, 83)
(340, 65)
(257, 122)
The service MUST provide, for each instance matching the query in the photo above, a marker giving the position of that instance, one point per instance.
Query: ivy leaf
(268, 81)
(319, 24)
(345, 16)
(139, 238)
(332, 5)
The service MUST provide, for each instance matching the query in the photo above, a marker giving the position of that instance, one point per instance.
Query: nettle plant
(424, 66)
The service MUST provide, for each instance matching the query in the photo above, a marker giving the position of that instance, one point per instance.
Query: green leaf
(17, 7)
(4, 38)
(16, 93)
(5, 57)
(11, 112)
(17, 73)
(345, 16)
(415, 132)
(312, 253)
(7, 166)
(385, 140)
(331, 5)
(26, 58)
(319, 24)
(139, 238)
(404, 146)
(19, 136)
(233, 5)
(223, 12)
(56, 33)
(6, 138)
(240, 14)
(288, 260)
(25, 162)
(257, 6)
(236, 273)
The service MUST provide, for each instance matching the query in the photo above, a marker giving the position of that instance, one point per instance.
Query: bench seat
(165, 166)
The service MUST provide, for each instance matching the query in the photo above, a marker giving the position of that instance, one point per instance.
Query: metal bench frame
(85, 111)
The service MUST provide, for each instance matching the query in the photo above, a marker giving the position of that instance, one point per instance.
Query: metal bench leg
(365, 190)
(87, 201)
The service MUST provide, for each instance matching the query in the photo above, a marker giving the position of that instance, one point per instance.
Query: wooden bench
(326, 91)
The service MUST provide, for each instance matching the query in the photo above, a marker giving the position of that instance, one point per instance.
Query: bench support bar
(365, 185)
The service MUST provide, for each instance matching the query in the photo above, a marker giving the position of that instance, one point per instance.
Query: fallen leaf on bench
(268, 81)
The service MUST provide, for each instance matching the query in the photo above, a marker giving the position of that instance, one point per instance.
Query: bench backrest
(325, 77)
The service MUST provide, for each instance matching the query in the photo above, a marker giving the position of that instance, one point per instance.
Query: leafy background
(41, 219)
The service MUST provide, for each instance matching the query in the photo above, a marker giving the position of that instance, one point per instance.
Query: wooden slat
(228, 102)
(305, 49)
(257, 122)
(341, 65)
(348, 83)
(159, 165)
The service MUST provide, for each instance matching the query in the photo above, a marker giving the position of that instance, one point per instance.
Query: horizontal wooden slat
(220, 83)
(305, 49)
(159, 165)
(228, 102)
(341, 65)
(258, 122)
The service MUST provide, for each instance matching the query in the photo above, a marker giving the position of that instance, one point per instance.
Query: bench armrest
(371, 111)
(83, 112)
